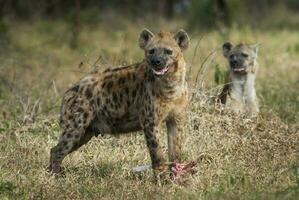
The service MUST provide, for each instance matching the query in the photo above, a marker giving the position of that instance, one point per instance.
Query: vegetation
(238, 158)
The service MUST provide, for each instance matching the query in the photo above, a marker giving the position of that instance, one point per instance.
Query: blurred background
(47, 45)
(205, 14)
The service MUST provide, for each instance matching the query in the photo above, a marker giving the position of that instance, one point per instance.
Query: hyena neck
(172, 84)
(242, 86)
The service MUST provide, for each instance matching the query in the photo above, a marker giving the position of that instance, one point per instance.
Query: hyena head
(241, 58)
(163, 50)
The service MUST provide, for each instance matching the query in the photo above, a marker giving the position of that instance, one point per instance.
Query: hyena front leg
(252, 107)
(152, 142)
(236, 106)
(235, 103)
(250, 96)
(174, 126)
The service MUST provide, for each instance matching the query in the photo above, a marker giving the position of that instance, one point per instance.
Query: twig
(200, 70)
(98, 60)
(194, 54)
(203, 63)
(55, 88)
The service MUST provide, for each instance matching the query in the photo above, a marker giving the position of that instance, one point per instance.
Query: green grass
(241, 159)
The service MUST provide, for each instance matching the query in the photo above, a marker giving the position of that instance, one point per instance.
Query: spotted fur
(129, 99)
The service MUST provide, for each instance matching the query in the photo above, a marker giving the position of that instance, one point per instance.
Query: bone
(141, 168)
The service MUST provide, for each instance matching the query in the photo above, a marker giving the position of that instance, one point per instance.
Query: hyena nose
(156, 62)
(233, 62)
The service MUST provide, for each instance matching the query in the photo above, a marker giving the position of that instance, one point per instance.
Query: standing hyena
(128, 99)
(239, 90)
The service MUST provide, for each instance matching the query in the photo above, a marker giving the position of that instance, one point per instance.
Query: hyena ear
(144, 37)
(255, 49)
(226, 47)
(182, 38)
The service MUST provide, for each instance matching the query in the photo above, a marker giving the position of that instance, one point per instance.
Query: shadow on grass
(8, 190)
(102, 170)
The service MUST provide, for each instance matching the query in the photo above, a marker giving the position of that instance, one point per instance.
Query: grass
(240, 158)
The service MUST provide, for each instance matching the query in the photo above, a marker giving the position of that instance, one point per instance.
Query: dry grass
(240, 158)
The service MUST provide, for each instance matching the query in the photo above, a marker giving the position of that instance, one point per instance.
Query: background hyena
(239, 91)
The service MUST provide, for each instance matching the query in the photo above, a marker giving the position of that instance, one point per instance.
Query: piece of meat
(180, 170)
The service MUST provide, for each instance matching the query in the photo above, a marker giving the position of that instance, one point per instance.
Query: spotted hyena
(239, 91)
(128, 99)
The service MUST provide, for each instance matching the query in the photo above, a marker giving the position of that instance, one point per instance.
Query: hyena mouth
(239, 69)
(161, 71)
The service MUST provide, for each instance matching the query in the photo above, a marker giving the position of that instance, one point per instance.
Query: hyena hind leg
(70, 141)
(74, 124)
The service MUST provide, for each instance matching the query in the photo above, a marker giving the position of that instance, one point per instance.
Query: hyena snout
(158, 63)
(233, 61)
(236, 64)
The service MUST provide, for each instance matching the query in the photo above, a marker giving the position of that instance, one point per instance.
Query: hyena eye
(151, 51)
(168, 51)
(244, 55)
